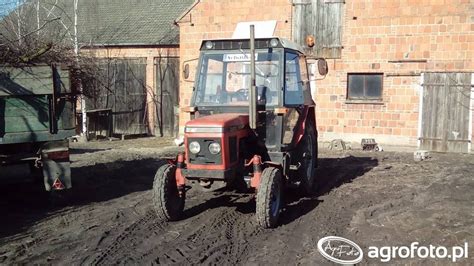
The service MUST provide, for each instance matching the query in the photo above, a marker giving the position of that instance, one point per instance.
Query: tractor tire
(309, 153)
(167, 202)
(269, 198)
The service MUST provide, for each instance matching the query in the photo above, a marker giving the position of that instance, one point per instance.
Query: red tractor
(252, 121)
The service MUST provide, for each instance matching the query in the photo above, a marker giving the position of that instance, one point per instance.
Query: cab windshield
(224, 78)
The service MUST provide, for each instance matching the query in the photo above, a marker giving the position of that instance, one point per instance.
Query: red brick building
(400, 71)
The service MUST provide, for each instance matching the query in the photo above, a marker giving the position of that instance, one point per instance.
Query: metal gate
(119, 85)
(445, 112)
(167, 95)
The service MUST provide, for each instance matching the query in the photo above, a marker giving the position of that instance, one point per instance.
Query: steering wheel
(242, 95)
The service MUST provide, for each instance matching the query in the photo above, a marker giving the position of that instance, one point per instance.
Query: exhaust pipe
(253, 89)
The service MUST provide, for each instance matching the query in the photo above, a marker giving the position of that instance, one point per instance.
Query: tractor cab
(252, 123)
(223, 83)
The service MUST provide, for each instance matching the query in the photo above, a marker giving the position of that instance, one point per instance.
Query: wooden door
(445, 112)
(167, 95)
(119, 85)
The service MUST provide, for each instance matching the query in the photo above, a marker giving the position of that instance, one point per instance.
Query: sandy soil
(374, 199)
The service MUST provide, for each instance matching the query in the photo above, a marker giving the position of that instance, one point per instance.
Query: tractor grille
(204, 157)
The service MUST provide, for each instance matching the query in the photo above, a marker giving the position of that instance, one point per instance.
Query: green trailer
(37, 115)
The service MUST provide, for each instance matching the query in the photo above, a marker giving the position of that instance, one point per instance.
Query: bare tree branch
(31, 32)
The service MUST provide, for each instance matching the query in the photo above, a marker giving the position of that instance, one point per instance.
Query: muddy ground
(372, 198)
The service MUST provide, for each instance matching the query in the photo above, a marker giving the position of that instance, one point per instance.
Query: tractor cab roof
(242, 44)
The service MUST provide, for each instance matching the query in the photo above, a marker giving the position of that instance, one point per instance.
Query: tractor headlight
(194, 147)
(214, 148)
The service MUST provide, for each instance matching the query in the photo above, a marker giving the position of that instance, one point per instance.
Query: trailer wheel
(167, 201)
(309, 155)
(269, 197)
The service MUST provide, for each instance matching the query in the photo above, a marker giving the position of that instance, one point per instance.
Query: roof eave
(99, 45)
(176, 21)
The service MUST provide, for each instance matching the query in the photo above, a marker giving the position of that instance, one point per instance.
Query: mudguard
(56, 165)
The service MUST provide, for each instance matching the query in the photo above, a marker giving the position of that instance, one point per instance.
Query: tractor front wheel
(269, 197)
(168, 201)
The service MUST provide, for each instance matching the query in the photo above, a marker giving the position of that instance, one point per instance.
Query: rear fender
(307, 116)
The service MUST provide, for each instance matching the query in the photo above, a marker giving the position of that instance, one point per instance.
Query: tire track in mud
(220, 236)
(200, 244)
(123, 246)
(222, 230)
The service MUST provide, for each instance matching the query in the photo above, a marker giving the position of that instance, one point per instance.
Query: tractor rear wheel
(309, 155)
(167, 200)
(269, 197)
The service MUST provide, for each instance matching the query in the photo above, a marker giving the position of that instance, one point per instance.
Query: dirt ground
(372, 198)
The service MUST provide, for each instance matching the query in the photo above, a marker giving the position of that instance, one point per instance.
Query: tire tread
(265, 191)
(160, 195)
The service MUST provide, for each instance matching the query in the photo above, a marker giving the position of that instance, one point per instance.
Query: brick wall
(150, 54)
(374, 33)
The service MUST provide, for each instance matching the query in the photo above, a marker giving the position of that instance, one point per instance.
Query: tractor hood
(217, 123)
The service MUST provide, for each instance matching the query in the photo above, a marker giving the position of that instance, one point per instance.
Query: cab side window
(293, 82)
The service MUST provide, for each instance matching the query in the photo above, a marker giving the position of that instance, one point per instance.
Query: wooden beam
(409, 61)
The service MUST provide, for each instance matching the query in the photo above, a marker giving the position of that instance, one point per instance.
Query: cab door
(296, 96)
